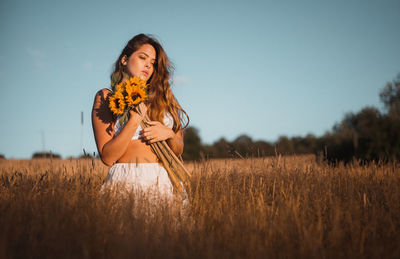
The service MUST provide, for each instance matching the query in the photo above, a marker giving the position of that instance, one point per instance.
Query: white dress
(149, 177)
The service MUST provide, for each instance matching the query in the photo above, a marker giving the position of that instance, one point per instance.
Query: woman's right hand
(142, 108)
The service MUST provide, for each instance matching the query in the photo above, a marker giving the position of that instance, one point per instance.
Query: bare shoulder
(101, 98)
(102, 94)
(104, 91)
(101, 110)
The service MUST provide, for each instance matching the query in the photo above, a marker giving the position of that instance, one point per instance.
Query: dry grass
(288, 207)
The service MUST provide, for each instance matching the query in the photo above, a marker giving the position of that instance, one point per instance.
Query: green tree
(284, 146)
(192, 144)
(45, 155)
(242, 145)
(221, 149)
(263, 148)
(369, 133)
(390, 96)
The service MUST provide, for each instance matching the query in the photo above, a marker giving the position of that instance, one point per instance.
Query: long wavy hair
(161, 99)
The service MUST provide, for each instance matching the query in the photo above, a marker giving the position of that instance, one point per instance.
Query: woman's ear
(124, 60)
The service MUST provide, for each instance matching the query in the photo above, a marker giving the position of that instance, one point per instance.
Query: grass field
(280, 207)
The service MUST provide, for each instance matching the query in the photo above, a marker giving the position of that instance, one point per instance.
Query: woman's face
(141, 62)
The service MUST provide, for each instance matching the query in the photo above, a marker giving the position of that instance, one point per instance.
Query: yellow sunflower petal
(133, 80)
(117, 103)
(135, 95)
(120, 87)
(129, 89)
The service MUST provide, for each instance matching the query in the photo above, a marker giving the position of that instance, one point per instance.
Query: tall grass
(254, 208)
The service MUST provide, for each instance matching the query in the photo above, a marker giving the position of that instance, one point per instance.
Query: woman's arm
(158, 132)
(111, 149)
(176, 143)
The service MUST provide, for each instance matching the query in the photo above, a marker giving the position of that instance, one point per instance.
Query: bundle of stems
(178, 174)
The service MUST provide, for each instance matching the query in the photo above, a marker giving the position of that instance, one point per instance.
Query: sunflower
(120, 87)
(117, 103)
(135, 95)
(137, 81)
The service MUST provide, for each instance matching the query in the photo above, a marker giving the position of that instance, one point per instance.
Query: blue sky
(261, 68)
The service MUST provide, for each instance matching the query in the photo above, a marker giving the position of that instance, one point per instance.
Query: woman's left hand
(156, 132)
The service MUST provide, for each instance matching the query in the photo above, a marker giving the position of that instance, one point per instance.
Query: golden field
(279, 207)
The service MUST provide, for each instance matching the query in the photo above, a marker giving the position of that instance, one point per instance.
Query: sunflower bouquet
(127, 96)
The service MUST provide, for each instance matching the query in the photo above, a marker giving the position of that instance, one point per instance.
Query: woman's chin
(143, 77)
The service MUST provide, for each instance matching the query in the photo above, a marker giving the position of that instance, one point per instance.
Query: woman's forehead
(147, 50)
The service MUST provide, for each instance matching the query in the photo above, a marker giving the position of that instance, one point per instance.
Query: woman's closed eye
(144, 58)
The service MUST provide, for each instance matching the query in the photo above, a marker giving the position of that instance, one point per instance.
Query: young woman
(126, 148)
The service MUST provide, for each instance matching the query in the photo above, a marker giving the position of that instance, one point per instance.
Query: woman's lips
(145, 73)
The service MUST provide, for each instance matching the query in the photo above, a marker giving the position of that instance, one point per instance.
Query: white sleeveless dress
(148, 177)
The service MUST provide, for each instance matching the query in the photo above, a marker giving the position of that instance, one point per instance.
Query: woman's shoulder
(103, 92)
(102, 95)
(100, 104)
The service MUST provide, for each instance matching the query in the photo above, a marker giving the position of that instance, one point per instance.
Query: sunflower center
(117, 103)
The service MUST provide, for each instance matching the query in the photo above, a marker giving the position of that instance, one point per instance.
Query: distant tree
(284, 146)
(45, 155)
(304, 145)
(221, 149)
(390, 96)
(367, 135)
(337, 148)
(242, 146)
(192, 144)
(390, 137)
(208, 151)
(263, 148)
(313, 144)
(2, 156)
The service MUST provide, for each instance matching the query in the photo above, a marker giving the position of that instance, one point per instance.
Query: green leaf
(123, 119)
(125, 75)
(114, 81)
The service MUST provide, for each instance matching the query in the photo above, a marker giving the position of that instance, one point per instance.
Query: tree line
(368, 135)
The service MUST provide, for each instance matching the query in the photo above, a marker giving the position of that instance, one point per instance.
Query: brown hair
(161, 98)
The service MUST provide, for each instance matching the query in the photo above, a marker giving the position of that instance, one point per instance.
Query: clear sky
(261, 68)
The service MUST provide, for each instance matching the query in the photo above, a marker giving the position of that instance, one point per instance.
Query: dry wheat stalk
(172, 164)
